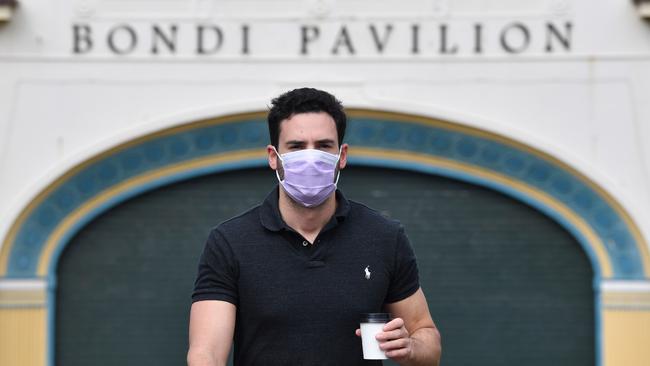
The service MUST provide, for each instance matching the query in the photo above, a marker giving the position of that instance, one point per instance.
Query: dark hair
(304, 100)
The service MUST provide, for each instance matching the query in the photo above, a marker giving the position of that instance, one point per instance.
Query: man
(289, 279)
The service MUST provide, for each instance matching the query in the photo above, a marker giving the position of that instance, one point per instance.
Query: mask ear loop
(338, 173)
(276, 168)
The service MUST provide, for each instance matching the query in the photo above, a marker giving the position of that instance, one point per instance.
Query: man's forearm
(200, 358)
(425, 348)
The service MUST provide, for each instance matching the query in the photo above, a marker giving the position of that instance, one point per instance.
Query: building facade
(532, 114)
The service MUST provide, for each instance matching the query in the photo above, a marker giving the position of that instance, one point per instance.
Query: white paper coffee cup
(370, 325)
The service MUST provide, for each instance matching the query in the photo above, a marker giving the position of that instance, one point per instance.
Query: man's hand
(411, 339)
(394, 340)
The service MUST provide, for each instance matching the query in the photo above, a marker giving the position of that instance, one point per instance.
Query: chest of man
(285, 283)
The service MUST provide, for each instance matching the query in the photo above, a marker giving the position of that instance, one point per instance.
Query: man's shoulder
(246, 220)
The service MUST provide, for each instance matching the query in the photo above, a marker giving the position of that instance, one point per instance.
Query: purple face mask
(309, 175)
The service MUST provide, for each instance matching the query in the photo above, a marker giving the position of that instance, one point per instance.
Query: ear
(343, 158)
(272, 156)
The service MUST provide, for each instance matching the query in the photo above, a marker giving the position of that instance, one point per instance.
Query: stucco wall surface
(586, 104)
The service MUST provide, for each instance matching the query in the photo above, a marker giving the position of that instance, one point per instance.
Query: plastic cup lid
(375, 317)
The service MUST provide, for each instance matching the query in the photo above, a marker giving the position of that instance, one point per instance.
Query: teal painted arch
(387, 139)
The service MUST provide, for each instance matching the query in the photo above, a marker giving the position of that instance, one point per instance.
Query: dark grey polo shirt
(298, 303)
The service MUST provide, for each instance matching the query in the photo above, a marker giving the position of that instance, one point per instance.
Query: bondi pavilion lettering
(400, 38)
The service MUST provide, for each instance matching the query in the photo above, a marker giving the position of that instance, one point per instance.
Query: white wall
(588, 106)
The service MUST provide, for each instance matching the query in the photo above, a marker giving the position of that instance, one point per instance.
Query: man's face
(315, 130)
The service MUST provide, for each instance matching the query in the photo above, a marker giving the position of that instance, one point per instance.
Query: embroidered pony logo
(367, 270)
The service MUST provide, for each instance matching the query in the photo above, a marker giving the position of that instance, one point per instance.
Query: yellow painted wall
(626, 336)
(22, 336)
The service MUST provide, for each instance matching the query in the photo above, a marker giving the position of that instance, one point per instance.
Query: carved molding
(643, 7)
(7, 8)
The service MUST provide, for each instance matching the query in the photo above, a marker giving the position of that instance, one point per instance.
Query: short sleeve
(404, 280)
(217, 273)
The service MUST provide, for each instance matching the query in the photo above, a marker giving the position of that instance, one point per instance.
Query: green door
(505, 284)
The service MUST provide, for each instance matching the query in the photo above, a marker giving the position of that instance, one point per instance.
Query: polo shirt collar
(272, 220)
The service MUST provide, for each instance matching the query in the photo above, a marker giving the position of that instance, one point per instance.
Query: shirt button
(305, 243)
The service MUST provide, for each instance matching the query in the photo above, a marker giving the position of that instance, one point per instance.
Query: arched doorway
(608, 236)
(506, 284)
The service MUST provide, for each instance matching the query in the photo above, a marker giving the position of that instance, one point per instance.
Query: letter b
(82, 41)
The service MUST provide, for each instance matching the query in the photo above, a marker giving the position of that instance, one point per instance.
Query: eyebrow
(295, 142)
(301, 142)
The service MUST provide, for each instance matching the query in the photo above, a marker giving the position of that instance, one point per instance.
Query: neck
(308, 222)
